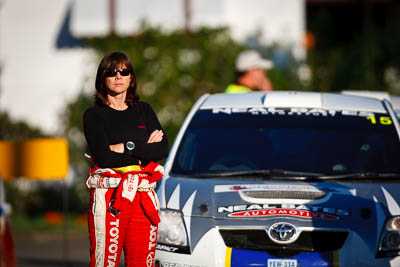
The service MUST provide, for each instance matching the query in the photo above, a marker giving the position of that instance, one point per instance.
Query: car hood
(350, 206)
(229, 199)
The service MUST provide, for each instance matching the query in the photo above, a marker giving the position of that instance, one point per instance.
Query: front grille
(318, 241)
(285, 194)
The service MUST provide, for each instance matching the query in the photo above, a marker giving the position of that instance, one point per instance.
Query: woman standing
(125, 139)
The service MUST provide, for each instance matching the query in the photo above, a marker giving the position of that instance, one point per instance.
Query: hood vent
(299, 195)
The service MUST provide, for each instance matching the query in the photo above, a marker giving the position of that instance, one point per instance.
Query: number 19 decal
(382, 120)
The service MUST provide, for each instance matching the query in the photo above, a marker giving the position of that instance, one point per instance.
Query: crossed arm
(155, 136)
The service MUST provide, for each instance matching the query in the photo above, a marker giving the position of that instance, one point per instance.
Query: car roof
(293, 99)
(395, 100)
(374, 94)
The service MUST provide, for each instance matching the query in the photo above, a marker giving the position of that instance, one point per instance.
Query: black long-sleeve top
(104, 126)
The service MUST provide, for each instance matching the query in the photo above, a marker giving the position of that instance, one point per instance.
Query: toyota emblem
(283, 233)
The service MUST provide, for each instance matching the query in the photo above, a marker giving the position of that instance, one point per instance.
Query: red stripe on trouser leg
(141, 238)
(131, 229)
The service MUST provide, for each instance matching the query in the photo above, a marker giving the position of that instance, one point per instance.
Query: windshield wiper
(358, 176)
(292, 175)
(274, 173)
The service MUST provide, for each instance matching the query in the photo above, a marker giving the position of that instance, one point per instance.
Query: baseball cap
(251, 59)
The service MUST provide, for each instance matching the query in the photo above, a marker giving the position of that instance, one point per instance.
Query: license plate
(282, 263)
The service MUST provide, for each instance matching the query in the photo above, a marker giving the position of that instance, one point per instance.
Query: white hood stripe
(380, 215)
(353, 192)
(173, 202)
(393, 206)
(187, 213)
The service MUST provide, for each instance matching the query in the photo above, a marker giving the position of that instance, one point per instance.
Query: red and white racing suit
(123, 214)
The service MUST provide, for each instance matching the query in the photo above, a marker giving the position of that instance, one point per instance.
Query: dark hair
(112, 61)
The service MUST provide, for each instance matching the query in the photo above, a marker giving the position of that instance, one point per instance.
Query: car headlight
(390, 239)
(393, 224)
(171, 229)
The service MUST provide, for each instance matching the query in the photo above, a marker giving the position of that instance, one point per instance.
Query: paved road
(51, 249)
(46, 249)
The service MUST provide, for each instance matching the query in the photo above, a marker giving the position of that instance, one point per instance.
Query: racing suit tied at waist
(130, 181)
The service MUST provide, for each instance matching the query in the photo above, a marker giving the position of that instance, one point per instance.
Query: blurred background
(180, 49)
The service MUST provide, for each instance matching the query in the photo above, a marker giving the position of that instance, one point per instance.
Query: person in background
(251, 73)
(125, 140)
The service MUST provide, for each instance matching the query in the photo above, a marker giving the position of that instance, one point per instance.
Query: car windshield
(325, 142)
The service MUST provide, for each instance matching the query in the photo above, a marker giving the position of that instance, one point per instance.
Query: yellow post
(44, 158)
(8, 159)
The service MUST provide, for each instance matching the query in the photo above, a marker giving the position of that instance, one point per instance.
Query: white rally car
(283, 179)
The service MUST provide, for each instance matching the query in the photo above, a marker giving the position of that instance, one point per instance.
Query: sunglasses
(113, 72)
